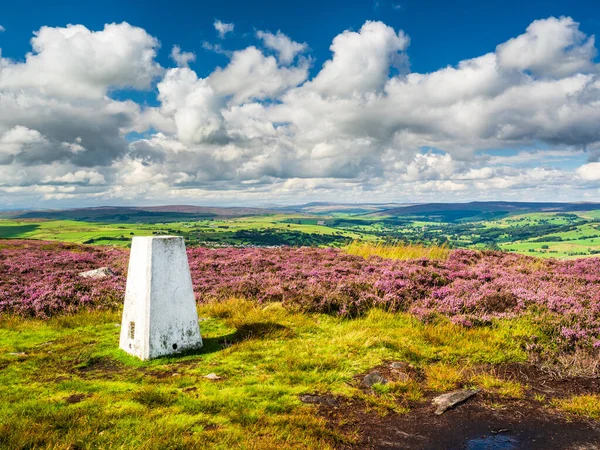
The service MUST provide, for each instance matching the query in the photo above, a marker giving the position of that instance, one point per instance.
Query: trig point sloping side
(159, 315)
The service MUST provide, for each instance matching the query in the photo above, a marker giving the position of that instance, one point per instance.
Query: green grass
(505, 388)
(580, 405)
(277, 355)
(71, 231)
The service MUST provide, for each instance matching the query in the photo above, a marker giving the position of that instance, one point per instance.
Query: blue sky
(442, 33)
(364, 106)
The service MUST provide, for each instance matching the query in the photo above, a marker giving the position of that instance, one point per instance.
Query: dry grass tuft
(398, 250)
(441, 377)
(505, 388)
(578, 363)
(580, 405)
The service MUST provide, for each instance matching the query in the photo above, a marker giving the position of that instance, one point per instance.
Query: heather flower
(471, 288)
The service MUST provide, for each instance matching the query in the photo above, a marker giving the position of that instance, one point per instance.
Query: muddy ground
(486, 421)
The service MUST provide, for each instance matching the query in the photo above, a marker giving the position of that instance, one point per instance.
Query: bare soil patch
(486, 421)
(103, 366)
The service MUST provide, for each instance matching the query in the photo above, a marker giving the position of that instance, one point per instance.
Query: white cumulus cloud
(283, 45)
(223, 28)
(182, 59)
(261, 127)
(550, 47)
(77, 62)
(590, 171)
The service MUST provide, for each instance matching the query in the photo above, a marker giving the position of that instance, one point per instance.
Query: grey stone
(318, 399)
(397, 365)
(212, 376)
(102, 272)
(402, 371)
(450, 399)
(374, 378)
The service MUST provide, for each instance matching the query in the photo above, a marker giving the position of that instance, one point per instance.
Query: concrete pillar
(159, 316)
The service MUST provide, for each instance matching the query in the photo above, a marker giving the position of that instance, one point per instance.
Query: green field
(238, 231)
(544, 234)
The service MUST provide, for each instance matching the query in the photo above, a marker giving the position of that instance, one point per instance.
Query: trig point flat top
(159, 315)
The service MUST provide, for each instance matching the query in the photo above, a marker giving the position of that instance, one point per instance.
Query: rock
(450, 399)
(398, 365)
(212, 376)
(374, 378)
(401, 371)
(310, 398)
(318, 399)
(102, 272)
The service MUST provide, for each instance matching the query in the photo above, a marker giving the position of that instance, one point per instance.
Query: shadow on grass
(214, 344)
(254, 330)
(16, 231)
(247, 331)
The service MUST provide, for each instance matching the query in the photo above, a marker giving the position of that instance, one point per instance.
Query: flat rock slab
(450, 399)
(102, 272)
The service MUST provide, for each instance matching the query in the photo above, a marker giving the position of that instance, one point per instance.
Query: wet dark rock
(450, 399)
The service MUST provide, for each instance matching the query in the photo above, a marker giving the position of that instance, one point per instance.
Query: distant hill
(483, 210)
(146, 214)
(446, 212)
(349, 208)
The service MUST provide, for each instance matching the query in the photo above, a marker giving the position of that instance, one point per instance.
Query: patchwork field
(262, 230)
(290, 334)
(564, 231)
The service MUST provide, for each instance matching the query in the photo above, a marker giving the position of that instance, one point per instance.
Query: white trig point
(159, 316)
